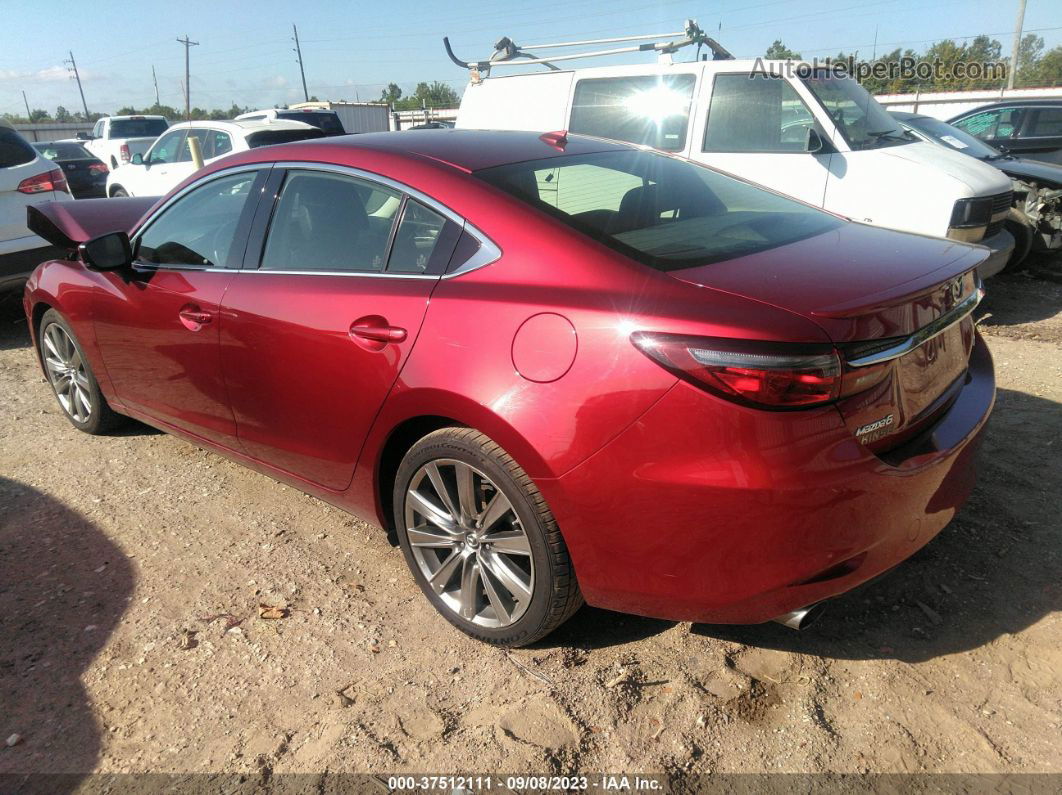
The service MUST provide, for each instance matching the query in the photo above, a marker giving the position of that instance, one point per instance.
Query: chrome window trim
(488, 251)
(924, 334)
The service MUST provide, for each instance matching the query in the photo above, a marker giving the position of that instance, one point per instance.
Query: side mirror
(107, 252)
(137, 159)
(814, 143)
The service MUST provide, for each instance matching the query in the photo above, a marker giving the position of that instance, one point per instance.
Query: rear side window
(1046, 122)
(330, 222)
(270, 137)
(138, 128)
(647, 109)
(198, 229)
(663, 212)
(14, 151)
(424, 241)
(756, 113)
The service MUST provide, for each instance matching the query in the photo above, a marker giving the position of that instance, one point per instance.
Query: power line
(302, 72)
(187, 81)
(73, 68)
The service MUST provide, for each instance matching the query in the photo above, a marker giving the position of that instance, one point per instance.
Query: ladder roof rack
(509, 53)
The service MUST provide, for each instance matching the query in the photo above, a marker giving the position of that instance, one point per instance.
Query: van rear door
(756, 127)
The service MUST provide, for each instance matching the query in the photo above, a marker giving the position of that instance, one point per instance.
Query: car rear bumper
(16, 266)
(1001, 245)
(721, 514)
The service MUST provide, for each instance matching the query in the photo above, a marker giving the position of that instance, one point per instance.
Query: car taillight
(42, 183)
(98, 168)
(123, 152)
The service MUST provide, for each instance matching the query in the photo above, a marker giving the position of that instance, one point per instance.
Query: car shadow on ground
(63, 589)
(1032, 292)
(995, 570)
(14, 333)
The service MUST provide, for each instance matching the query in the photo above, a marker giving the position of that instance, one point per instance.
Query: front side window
(665, 213)
(992, 123)
(330, 222)
(198, 229)
(861, 120)
(168, 148)
(1047, 123)
(648, 109)
(756, 113)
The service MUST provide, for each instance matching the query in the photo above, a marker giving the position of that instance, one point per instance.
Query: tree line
(1036, 68)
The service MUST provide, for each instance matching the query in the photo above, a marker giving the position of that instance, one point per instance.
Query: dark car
(1029, 128)
(85, 173)
(1037, 188)
(434, 125)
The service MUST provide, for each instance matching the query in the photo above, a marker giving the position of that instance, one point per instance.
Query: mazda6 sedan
(557, 368)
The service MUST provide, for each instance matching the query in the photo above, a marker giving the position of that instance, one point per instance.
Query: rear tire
(72, 380)
(118, 193)
(487, 554)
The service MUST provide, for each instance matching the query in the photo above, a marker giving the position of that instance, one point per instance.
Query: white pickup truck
(115, 139)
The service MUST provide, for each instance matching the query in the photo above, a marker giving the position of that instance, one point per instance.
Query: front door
(756, 127)
(157, 325)
(315, 332)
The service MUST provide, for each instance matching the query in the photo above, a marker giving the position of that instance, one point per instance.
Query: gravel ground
(132, 568)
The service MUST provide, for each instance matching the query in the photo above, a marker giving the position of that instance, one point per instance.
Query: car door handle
(193, 318)
(378, 333)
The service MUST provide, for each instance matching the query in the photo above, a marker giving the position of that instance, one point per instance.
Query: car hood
(1045, 174)
(68, 224)
(981, 179)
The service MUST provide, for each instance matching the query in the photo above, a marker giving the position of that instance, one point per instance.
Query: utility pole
(298, 51)
(188, 44)
(156, 80)
(1012, 72)
(73, 68)
(27, 105)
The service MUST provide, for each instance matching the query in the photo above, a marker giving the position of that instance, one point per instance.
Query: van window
(658, 210)
(756, 113)
(648, 109)
(860, 119)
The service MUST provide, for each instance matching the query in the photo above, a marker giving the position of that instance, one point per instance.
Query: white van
(805, 132)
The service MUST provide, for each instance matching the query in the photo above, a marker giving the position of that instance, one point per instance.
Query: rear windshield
(138, 128)
(269, 137)
(54, 151)
(664, 212)
(323, 120)
(14, 151)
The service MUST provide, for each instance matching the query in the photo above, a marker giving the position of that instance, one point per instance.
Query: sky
(351, 50)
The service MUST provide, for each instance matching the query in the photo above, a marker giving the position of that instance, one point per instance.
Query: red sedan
(559, 369)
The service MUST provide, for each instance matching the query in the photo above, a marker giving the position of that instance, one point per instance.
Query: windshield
(322, 120)
(270, 137)
(953, 137)
(663, 212)
(859, 117)
(138, 128)
(54, 151)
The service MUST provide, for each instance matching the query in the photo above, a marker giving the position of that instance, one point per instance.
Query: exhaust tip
(802, 618)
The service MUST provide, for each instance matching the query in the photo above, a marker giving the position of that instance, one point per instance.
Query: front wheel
(481, 541)
(71, 377)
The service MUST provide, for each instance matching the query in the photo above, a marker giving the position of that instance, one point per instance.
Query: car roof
(242, 127)
(1017, 103)
(136, 116)
(468, 150)
(904, 115)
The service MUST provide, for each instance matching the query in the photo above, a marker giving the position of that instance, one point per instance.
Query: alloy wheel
(469, 543)
(66, 372)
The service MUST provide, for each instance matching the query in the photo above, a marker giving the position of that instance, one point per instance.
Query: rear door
(317, 326)
(1041, 135)
(756, 126)
(157, 325)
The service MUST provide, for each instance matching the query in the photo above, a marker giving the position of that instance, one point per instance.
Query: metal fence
(52, 130)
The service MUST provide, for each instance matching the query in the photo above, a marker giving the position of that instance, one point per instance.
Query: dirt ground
(132, 567)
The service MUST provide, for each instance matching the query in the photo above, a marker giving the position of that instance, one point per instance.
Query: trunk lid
(891, 302)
